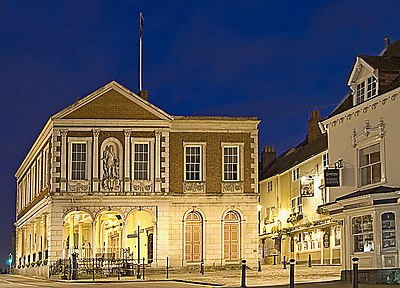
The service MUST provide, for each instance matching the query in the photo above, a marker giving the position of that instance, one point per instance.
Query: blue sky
(276, 60)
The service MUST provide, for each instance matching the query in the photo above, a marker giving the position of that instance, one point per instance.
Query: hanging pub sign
(331, 177)
(307, 186)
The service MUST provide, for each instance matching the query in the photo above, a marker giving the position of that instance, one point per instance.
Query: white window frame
(296, 205)
(295, 174)
(135, 161)
(360, 92)
(150, 142)
(240, 162)
(202, 146)
(88, 168)
(371, 87)
(269, 186)
(359, 175)
(365, 89)
(325, 160)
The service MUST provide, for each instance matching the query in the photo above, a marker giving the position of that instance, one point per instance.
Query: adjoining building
(363, 137)
(112, 169)
(291, 189)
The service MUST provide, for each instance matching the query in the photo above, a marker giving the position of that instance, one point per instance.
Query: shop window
(388, 231)
(362, 233)
(337, 235)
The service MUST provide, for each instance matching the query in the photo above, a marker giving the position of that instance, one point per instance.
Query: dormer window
(371, 87)
(370, 84)
(360, 92)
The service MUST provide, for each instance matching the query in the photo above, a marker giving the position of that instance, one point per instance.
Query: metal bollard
(243, 274)
(291, 277)
(259, 265)
(355, 272)
(167, 266)
(309, 260)
(202, 268)
(143, 268)
(93, 268)
(284, 262)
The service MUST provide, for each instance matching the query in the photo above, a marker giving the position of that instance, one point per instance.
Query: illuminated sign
(332, 177)
(307, 186)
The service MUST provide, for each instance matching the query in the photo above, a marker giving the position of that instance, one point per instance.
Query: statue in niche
(110, 163)
(110, 168)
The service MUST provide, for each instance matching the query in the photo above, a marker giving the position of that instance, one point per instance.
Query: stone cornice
(123, 123)
(37, 146)
(362, 109)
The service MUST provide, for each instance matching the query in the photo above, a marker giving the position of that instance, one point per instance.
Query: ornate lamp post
(138, 249)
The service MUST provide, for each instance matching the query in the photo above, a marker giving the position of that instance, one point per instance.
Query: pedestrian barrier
(75, 268)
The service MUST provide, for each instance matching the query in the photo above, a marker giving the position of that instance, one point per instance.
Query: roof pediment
(360, 69)
(113, 101)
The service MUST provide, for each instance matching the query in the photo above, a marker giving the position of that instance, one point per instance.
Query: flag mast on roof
(141, 20)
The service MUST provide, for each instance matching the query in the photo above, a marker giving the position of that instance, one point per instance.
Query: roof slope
(375, 190)
(113, 101)
(389, 61)
(294, 156)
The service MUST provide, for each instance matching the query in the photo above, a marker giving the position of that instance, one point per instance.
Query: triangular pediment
(113, 101)
(360, 70)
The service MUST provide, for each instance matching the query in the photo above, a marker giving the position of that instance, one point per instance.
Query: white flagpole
(141, 22)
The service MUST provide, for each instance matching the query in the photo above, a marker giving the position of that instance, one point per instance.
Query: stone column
(93, 241)
(157, 160)
(95, 187)
(64, 158)
(127, 153)
(71, 234)
(98, 238)
(23, 244)
(44, 232)
(80, 242)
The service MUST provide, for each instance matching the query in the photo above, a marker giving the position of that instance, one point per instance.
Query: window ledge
(79, 185)
(194, 187)
(142, 186)
(232, 187)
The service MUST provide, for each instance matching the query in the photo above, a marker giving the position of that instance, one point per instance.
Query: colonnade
(32, 242)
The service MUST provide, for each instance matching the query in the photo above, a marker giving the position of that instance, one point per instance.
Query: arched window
(388, 231)
(193, 237)
(231, 236)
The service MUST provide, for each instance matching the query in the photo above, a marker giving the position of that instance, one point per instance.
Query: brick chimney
(267, 156)
(144, 94)
(314, 133)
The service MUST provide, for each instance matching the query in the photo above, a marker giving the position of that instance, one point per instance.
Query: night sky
(276, 60)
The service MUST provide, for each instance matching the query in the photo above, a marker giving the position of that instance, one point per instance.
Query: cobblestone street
(270, 275)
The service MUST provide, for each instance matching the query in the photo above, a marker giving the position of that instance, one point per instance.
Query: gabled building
(291, 189)
(363, 136)
(112, 169)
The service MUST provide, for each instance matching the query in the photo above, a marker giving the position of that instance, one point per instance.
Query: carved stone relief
(232, 187)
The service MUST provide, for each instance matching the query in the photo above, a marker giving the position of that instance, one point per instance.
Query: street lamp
(138, 243)
(9, 261)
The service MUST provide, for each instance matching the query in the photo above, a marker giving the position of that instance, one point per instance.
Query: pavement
(269, 276)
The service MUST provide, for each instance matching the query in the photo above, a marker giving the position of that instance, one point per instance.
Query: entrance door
(231, 237)
(150, 252)
(193, 240)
